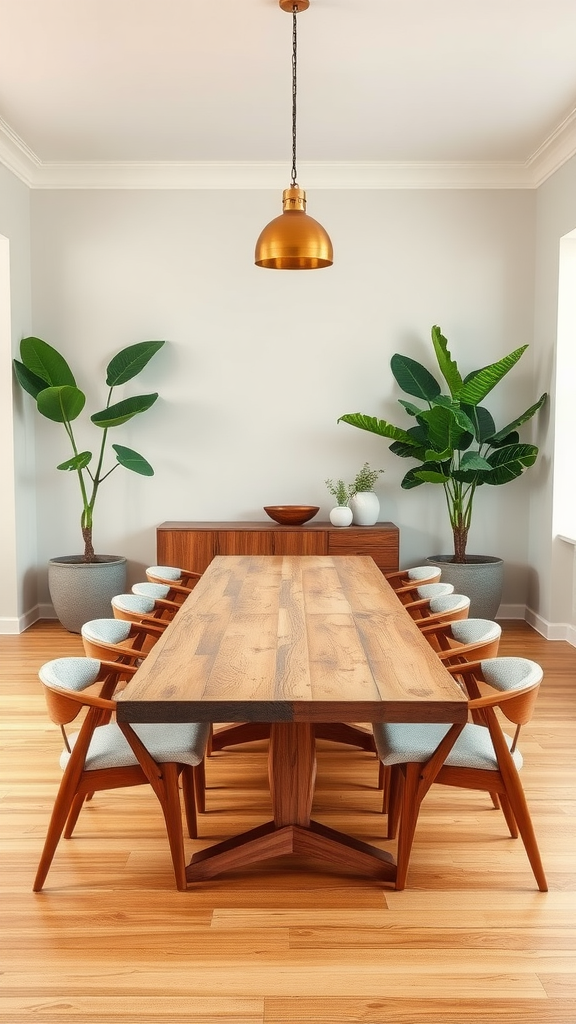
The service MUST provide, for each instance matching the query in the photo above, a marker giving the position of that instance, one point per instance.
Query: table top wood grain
(307, 638)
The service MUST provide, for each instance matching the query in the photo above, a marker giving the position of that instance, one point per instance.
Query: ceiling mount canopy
(294, 241)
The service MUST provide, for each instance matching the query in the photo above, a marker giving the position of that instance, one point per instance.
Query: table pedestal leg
(292, 770)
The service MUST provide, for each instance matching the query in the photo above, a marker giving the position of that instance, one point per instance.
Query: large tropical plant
(46, 375)
(454, 438)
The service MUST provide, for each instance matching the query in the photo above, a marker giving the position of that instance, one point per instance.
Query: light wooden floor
(470, 940)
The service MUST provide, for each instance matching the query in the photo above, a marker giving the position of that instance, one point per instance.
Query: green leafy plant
(454, 438)
(46, 375)
(341, 491)
(365, 479)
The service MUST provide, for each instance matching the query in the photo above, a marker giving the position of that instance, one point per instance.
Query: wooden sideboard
(194, 545)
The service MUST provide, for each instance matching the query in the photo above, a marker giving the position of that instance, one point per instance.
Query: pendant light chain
(294, 67)
(294, 240)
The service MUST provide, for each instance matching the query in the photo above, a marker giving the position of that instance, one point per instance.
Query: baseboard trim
(551, 630)
(9, 626)
(511, 611)
(12, 625)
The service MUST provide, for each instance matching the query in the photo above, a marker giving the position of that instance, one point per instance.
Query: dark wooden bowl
(291, 515)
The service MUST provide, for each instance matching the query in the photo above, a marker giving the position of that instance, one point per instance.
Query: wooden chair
(126, 642)
(184, 578)
(455, 643)
(415, 597)
(477, 755)
(109, 755)
(447, 608)
(417, 576)
(119, 640)
(463, 640)
(162, 591)
(137, 608)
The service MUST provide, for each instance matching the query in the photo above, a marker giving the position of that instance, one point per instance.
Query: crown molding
(16, 155)
(38, 174)
(554, 151)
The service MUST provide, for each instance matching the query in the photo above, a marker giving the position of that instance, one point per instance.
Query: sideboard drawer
(367, 540)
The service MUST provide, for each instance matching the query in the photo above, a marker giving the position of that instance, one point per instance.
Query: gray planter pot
(81, 591)
(481, 578)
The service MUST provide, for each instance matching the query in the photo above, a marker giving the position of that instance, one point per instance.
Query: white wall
(551, 584)
(17, 498)
(260, 364)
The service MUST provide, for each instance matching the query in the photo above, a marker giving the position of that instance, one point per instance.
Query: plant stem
(89, 505)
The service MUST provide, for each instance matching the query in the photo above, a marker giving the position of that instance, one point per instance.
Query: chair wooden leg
(58, 819)
(384, 785)
(170, 803)
(508, 814)
(77, 804)
(199, 777)
(515, 794)
(396, 784)
(190, 794)
(408, 819)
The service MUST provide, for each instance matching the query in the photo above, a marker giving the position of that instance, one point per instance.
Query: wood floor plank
(134, 1010)
(418, 1011)
(287, 941)
(247, 980)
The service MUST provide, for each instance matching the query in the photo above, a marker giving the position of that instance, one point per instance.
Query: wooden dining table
(292, 640)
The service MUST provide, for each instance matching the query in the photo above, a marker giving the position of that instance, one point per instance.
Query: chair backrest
(427, 591)
(137, 608)
(464, 640)
(159, 591)
(424, 573)
(440, 609)
(114, 639)
(163, 573)
(417, 598)
(518, 681)
(474, 631)
(185, 578)
(405, 579)
(514, 683)
(109, 631)
(71, 684)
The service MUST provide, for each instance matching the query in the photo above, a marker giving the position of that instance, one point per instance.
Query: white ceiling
(388, 90)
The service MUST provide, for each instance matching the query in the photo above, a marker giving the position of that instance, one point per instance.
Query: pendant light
(293, 241)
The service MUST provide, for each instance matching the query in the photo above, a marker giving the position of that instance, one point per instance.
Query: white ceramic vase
(365, 508)
(341, 515)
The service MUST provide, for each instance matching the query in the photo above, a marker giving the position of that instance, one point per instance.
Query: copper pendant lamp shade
(293, 241)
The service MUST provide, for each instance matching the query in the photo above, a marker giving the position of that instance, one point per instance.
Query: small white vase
(365, 508)
(341, 515)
